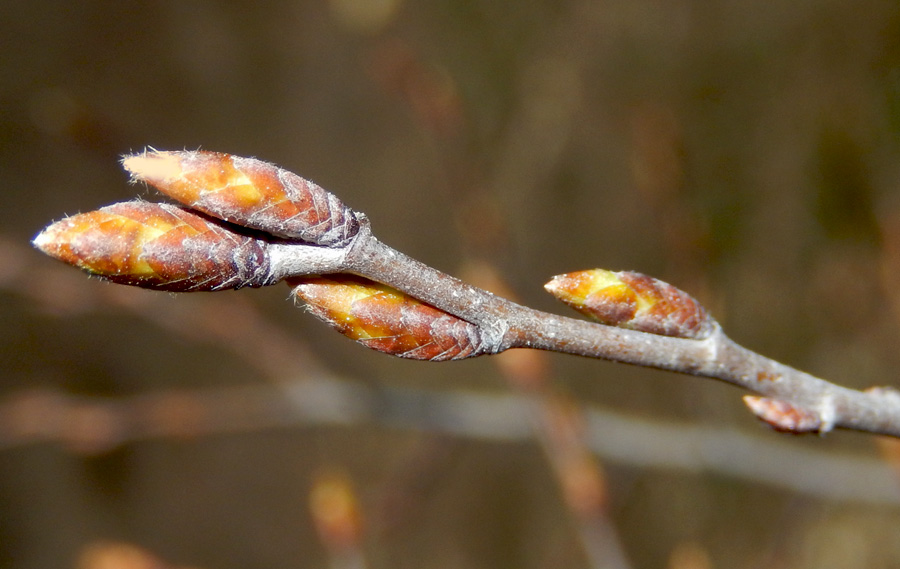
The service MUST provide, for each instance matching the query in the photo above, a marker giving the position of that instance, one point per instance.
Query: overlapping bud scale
(158, 246)
(388, 320)
(248, 192)
(633, 300)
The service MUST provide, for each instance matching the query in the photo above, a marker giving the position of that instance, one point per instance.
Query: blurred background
(748, 153)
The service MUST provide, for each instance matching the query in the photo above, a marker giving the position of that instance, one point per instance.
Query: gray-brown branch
(810, 404)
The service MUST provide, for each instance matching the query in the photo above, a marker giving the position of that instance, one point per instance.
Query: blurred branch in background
(544, 111)
(96, 425)
(558, 424)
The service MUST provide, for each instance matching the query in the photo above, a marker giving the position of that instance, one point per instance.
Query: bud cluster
(238, 207)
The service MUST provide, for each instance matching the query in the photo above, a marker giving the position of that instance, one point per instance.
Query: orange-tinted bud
(388, 320)
(632, 300)
(158, 246)
(248, 192)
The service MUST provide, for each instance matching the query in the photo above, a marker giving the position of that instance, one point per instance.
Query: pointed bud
(248, 192)
(635, 301)
(388, 320)
(787, 417)
(158, 246)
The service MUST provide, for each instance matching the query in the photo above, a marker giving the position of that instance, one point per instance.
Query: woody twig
(250, 223)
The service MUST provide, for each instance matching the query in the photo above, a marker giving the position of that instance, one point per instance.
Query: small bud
(388, 320)
(248, 192)
(787, 417)
(635, 301)
(158, 246)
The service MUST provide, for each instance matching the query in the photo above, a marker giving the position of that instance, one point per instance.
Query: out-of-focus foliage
(749, 154)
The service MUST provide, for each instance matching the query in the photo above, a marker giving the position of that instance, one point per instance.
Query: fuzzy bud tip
(154, 166)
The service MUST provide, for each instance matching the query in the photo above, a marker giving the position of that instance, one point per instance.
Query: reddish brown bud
(248, 192)
(388, 320)
(632, 300)
(787, 417)
(158, 246)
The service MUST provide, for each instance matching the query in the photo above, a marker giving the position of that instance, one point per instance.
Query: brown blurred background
(747, 152)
